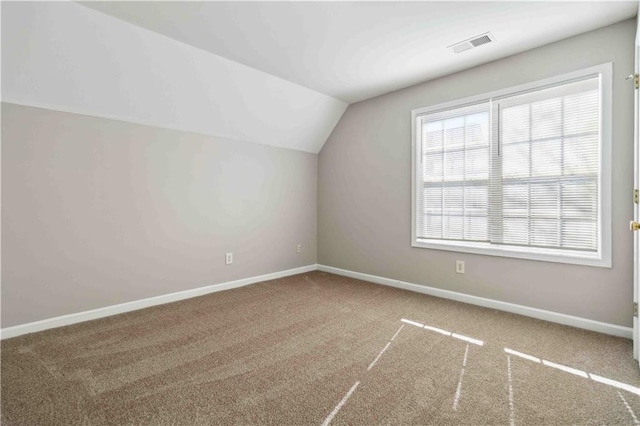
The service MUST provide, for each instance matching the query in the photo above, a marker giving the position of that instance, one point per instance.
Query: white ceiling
(66, 57)
(357, 50)
(273, 73)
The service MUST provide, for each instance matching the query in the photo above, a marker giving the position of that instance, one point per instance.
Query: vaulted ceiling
(355, 50)
(276, 73)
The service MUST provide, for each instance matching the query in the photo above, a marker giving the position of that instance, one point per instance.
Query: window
(524, 172)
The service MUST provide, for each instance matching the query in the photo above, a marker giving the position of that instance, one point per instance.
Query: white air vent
(472, 42)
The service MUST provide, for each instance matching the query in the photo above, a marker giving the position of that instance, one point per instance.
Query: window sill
(539, 254)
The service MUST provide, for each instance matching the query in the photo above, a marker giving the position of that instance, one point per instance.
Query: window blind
(521, 170)
(454, 174)
(549, 158)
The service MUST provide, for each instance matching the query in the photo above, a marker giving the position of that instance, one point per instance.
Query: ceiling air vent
(472, 42)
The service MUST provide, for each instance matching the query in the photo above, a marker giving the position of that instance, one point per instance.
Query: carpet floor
(318, 349)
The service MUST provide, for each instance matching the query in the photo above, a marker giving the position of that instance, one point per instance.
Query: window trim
(602, 257)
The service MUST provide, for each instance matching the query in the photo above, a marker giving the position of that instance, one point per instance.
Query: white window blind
(546, 194)
(454, 174)
(517, 171)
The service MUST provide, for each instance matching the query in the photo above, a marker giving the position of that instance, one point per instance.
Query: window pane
(546, 118)
(545, 199)
(475, 200)
(432, 167)
(580, 234)
(452, 227)
(453, 212)
(453, 200)
(433, 226)
(475, 210)
(515, 199)
(475, 228)
(454, 133)
(581, 155)
(545, 233)
(433, 136)
(515, 124)
(432, 200)
(546, 157)
(515, 231)
(580, 200)
(477, 128)
(454, 165)
(477, 163)
(581, 112)
(515, 160)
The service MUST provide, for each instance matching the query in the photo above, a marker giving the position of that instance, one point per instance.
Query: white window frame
(600, 258)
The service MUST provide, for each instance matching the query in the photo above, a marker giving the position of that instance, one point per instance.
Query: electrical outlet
(460, 266)
(228, 258)
(299, 248)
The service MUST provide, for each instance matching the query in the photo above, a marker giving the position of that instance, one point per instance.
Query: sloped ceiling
(64, 56)
(354, 50)
(276, 73)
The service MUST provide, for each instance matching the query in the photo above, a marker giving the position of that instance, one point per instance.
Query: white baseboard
(63, 320)
(601, 327)
(587, 324)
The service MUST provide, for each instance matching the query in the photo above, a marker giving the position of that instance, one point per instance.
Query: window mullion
(464, 178)
(562, 172)
(419, 178)
(495, 177)
(530, 147)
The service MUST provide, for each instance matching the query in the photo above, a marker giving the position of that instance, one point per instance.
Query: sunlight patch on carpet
(340, 404)
(456, 398)
(575, 371)
(444, 332)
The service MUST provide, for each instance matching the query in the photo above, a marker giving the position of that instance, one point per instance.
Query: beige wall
(364, 193)
(98, 212)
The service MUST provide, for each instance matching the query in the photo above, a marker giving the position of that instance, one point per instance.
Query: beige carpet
(316, 349)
